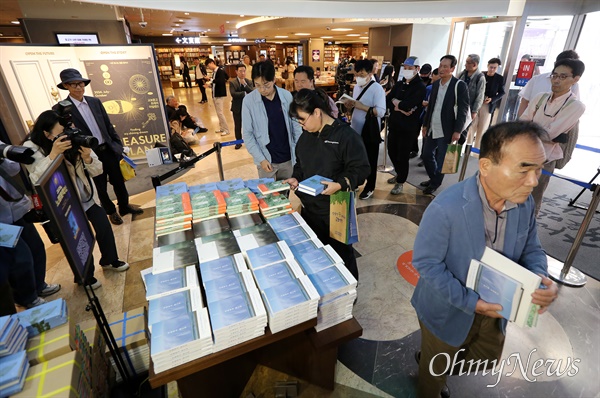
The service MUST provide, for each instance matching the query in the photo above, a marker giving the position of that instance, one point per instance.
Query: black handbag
(371, 131)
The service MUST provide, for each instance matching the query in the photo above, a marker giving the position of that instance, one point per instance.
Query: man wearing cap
(405, 103)
(442, 125)
(91, 118)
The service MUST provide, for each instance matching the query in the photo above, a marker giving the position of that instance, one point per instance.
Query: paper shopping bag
(343, 224)
(127, 168)
(452, 159)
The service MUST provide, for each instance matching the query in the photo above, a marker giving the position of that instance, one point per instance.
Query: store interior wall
(42, 31)
(383, 40)
(429, 42)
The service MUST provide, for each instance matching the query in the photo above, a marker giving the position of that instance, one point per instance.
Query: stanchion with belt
(384, 168)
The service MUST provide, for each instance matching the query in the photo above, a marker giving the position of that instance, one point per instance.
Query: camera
(19, 154)
(143, 24)
(77, 138)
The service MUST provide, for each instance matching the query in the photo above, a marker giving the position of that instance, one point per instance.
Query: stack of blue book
(337, 290)
(173, 305)
(277, 274)
(268, 254)
(237, 313)
(216, 246)
(253, 184)
(173, 256)
(313, 186)
(315, 260)
(296, 235)
(44, 317)
(13, 371)
(13, 336)
(255, 236)
(179, 340)
(165, 283)
(290, 303)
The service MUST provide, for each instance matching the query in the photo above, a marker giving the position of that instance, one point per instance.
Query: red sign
(222, 29)
(525, 72)
(408, 272)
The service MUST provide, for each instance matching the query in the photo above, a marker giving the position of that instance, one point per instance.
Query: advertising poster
(127, 88)
(524, 73)
(316, 55)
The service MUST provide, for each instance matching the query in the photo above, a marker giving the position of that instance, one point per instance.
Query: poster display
(127, 88)
(316, 55)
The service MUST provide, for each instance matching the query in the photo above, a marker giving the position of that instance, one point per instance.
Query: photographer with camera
(90, 116)
(48, 141)
(23, 267)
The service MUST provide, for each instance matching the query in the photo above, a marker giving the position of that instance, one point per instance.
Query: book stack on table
(173, 209)
(240, 202)
(268, 188)
(13, 335)
(255, 236)
(292, 229)
(216, 246)
(274, 205)
(207, 202)
(13, 371)
(312, 186)
(289, 303)
(253, 184)
(165, 283)
(44, 317)
(174, 256)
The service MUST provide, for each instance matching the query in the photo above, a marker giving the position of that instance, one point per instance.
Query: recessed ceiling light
(226, 21)
(302, 34)
(326, 37)
(242, 16)
(167, 34)
(208, 30)
(354, 34)
(15, 22)
(342, 29)
(186, 13)
(176, 24)
(181, 20)
(281, 37)
(364, 37)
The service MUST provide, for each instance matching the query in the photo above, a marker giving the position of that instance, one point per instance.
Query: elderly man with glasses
(269, 132)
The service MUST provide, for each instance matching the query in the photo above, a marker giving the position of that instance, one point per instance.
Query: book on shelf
(315, 260)
(271, 187)
(286, 221)
(173, 305)
(162, 284)
(276, 274)
(502, 281)
(215, 246)
(221, 267)
(255, 236)
(9, 235)
(268, 254)
(313, 186)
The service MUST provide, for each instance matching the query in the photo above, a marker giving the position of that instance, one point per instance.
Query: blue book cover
(293, 236)
(253, 184)
(272, 275)
(284, 222)
(222, 288)
(328, 280)
(286, 295)
(231, 185)
(315, 260)
(44, 317)
(11, 368)
(314, 183)
(209, 187)
(498, 288)
(8, 333)
(218, 268)
(169, 307)
(173, 333)
(265, 255)
(9, 235)
(228, 311)
(171, 189)
(300, 248)
(165, 282)
(5, 321)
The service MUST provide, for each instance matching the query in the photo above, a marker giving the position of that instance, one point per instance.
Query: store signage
(236, 40)
(524, 73)
(259, 41)
(187, 40)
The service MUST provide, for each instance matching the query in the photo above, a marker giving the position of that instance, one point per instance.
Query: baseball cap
(412, 61)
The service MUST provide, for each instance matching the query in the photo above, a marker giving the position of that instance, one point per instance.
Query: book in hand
(9, 235)
(499, 280)
(269, 254)
(271, 187)
(344, 98)
(313, 186)
(221, 267)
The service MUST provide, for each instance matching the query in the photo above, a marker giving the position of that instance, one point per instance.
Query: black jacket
(219, 84)
(495, 90)
(450, 123)
(110, 136)
(411, 96)
(337, 153)
(238, 92)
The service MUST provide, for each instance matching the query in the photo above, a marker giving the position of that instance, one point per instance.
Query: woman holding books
(329, 148)
(48, 142)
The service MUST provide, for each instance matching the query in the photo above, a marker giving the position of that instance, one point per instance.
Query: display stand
(574, 200)
(384, 168)
(567, 275)
(184, 164)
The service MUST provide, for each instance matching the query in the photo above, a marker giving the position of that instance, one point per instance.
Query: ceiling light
(281, 37)
(208, 30)
(302, 34)
(364, 37)
(342, 29)
(167, 34)
(181, 20)
(326, 37)
(15, 22)
(176, 24)
(226, 21)
(242, 16)
(186, 13)
(353, 34)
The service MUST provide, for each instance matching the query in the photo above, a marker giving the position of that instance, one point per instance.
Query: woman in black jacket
(329, 148)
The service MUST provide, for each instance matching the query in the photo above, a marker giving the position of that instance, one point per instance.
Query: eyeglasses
(303, 122)
(562, 76)
(75, 85)
(266, 86)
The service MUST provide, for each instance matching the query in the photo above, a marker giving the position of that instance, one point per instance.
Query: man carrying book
(494, 208)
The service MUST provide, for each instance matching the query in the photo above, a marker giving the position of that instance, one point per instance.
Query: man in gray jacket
(269, 132)
(475, 80)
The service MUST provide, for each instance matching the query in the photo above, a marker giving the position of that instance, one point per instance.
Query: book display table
(298, 351)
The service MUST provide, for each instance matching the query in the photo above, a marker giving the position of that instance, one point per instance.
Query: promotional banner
(127, 88)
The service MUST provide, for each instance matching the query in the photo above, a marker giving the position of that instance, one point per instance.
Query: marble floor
(380, 363)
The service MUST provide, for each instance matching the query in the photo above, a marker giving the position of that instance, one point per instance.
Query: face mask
(408, 74)
(361, 81)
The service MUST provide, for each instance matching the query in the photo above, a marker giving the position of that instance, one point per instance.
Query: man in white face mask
(367, 95)
(405, 103)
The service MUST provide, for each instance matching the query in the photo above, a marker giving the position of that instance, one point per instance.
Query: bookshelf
(165, 55)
